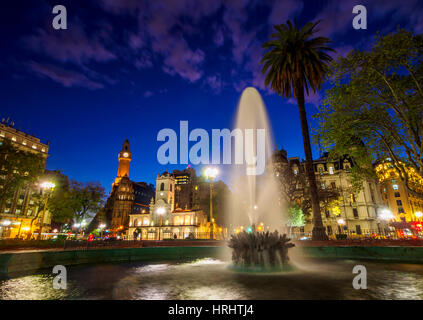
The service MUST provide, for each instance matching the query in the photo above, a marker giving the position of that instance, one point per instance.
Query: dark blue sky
(130, 68)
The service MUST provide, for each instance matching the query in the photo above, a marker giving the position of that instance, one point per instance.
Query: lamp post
(160, 211)
(47, 186)
(386, 215)
(211, 174)
(101, 227)
(341, 223)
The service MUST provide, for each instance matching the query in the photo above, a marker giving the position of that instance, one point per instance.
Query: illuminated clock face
(126, 154)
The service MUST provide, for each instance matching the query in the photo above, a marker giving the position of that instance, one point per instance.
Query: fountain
(256, 200)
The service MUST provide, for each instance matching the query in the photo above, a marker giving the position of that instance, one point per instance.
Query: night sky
(126, 69)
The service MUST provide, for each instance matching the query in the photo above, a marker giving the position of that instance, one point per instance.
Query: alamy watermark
(249, 147)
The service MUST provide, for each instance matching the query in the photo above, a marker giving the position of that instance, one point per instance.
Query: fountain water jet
(256, 201)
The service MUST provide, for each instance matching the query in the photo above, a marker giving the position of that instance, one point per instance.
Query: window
(397, 194)
(34, 146)
(162, 186)
(395, 186)
(400, 210)
(170, 188)
(323, 185)
(399, 203)
(347, 168)
(331, 170)
(333, 185)
(352, 196)
(320, 170)
(295, 171)
(329, 228)
(358, 229)
(355, 213)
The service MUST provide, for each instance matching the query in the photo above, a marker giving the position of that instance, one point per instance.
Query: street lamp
(386, 214)
(341, 223)
(211, 174)
(46, 186)
(160, 211)
(101, 227)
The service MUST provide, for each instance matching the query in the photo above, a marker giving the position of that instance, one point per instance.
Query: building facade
(19, 216)
(342, 209)
(403, 203)
(127, 197)
(166, 219)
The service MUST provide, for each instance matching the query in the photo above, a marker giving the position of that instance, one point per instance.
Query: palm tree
(294, 62)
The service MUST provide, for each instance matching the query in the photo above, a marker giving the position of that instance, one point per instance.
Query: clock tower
(124, 160)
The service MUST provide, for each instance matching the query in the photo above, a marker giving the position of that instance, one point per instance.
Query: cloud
(215, 83)
(148, 94)
(70, 46)
(67, 78)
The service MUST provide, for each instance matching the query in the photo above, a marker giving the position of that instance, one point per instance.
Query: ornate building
(19, 215)
(342, 209)
(169, 218)
(403, 203)
(127, 197)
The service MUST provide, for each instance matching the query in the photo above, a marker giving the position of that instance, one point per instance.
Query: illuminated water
(212, 279)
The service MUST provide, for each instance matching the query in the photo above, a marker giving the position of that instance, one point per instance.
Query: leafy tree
(296, 62)
(295, 217)
(294, 189)
(59, 200)
(374, 110)
(18, 169)
(85, 199)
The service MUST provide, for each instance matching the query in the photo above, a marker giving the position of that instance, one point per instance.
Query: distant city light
(211, 173)
(341, 221)
(47, 185)
(386, 214)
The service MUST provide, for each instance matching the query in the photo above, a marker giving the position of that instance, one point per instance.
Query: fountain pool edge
(408, 254)
(11, 263)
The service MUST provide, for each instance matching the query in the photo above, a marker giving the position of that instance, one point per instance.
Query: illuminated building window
(355, 213)
(331, 170)
(320, 170)
(323, 185)
(395, 186)
(295, 171)
(399, 203)
(13, 138)
(352, 196)
(34, 146)
(24, 143)
(2, 134)
(43, 150)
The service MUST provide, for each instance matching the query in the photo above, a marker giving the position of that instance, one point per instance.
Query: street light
(160, 211)
(341, 223)
(101, 227)
(47, 186)
(386, 214)
(211, 174)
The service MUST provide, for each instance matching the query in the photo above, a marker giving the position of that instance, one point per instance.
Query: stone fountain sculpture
(260, 249)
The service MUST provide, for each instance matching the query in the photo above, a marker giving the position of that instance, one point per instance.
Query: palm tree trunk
(318, 229)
